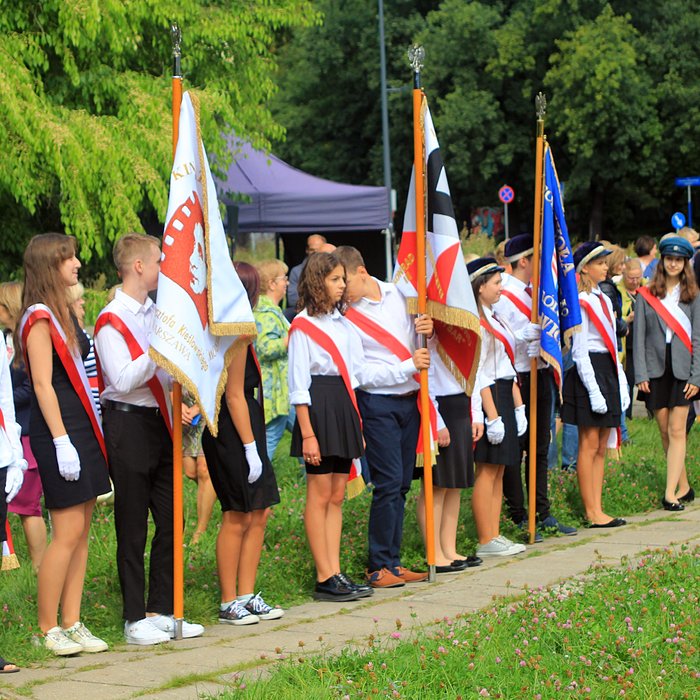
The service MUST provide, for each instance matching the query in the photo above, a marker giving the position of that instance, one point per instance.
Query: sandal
(7, 667)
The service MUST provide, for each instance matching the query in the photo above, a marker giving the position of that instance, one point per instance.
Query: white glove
(67, 458)
(521, 419)
(14, 478)
(254, 462)
(624, 394)
(598, 404)
(533, 349)
(531, 332)
(495, 430)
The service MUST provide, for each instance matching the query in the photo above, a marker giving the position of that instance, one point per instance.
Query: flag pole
(416, 56)
(178, 516)
(540, 109)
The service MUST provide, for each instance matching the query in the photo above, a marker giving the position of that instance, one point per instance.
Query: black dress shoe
(334, 589)
(688, 497)
(670, 505)
(471, 561)
(453, 567)
(364, 588)
(615, 522)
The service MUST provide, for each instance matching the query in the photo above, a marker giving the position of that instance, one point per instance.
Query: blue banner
(560, 312)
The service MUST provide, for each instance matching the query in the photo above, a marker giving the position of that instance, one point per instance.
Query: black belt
(131, 408)
(407, 395)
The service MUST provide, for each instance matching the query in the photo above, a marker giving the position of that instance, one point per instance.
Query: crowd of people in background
(342, 377)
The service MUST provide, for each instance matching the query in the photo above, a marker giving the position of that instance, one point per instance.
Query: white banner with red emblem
(202, 307)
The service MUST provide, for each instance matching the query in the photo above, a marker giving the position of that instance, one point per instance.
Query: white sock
(227, 605)
(243, 599)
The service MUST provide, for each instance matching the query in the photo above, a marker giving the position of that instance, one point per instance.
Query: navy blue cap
(676, 245)
(590, 250)
(519, 247)
(482, 266)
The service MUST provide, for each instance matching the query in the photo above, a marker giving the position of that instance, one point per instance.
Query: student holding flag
(324, 359)
(66, 437)
(138, 433)
(497, 404)
(667, 357)
(243, 479)
(595, 389)
(515, 308)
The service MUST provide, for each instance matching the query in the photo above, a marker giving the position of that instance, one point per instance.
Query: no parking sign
(506, 194)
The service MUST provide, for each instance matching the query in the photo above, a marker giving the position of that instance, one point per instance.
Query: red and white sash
(603, 323)
(395, 346)
(501, 332)
(158, 388)
(324, 341)
(520, 299)
(672, 315)
(71, 361)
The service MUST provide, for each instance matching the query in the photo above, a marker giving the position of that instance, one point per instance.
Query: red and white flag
(450, 298)
(202, 308)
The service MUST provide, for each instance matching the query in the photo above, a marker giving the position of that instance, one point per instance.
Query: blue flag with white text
(559, 308)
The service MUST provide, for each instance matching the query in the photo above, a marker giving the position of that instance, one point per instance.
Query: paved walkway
(184, 670)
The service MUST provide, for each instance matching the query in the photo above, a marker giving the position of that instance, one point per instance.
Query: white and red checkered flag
(202, 307)
(450, 299)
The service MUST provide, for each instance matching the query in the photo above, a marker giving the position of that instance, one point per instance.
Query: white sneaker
(144, 633)
(237, 614)
(166, 623)
(257, 606)
(87, 640)
(56, 641)
(496, 548)
(517, 547)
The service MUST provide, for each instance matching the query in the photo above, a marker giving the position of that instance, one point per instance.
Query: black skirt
(455, 463)
(666, 391)
(576, 409)
(94, 475)
(335, 422)
(508, 451)
(226, 460)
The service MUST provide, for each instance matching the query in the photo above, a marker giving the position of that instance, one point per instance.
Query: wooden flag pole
(416, 55)
(540, 108)
(178, 515)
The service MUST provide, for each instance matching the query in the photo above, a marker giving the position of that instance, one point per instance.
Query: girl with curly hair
(323, 352)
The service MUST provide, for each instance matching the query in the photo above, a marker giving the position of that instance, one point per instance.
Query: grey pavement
(188, 669)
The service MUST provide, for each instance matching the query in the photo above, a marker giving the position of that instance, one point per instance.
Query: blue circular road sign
(506, 194)
(678, 220)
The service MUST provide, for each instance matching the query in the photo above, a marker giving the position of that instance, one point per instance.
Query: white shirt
(674, 296)
(589, 340)
(382, 372)
(516, 320)
(125, 379)
(494, 364)
(440, 380)
(307, 358)
(10, 445)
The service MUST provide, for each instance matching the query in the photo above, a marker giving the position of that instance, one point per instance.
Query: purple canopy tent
(284, 200)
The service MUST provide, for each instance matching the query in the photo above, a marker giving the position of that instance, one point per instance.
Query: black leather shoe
(452, 568)
(615, 522)
(364, 588)
(688, 497)
(670, 505)
(333, 589)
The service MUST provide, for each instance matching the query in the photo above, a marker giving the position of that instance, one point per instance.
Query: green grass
(628, 632)
(633, 485)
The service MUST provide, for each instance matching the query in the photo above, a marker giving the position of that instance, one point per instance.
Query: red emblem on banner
(183, 253)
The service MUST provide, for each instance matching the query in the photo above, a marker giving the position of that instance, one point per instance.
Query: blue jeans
(273, 432)
(569, 446)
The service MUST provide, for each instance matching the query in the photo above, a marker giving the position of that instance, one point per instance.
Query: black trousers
(140, 454)
(513, 477)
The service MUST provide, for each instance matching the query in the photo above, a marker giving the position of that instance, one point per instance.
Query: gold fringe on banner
(355, 487)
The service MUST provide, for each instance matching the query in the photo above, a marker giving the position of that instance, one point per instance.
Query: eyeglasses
(282, 277)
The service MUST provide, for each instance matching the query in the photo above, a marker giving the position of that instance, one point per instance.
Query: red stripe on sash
(324, 341)
(497, 334)
(518, 303)
(395, 346)
(668, 318)
(600, 327)
(2, 420)
(136, 351)
(68, 362)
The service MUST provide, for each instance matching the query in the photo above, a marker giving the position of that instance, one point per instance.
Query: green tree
(85, 105)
